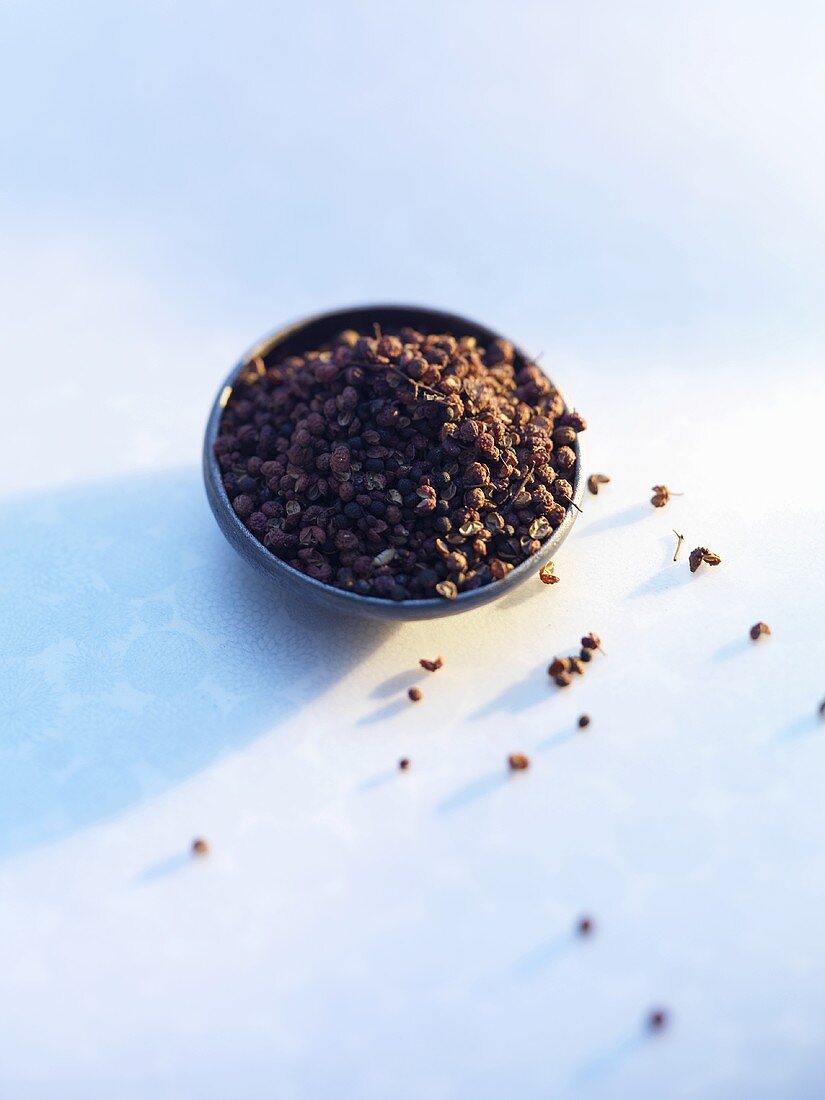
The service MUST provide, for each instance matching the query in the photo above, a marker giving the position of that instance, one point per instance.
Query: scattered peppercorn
(758, 629)
(657, 1019)
(586, 655)
(432, 666)
(702, 554)
(558, 665)
(585, 926)
(680, 540)
(661, 495)
(592, 641)
(595, 480)
(547, 574)
(403, 763)
(563, 680)
(200, 847)
(518, 762)
(414, 694)
(399, 465)
(584, 721)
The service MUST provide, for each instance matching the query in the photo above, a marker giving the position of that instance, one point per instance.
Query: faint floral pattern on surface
(135, 648)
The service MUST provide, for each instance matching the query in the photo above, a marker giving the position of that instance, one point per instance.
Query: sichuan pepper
(595, 480)
(758, 629)
(399, 465)
(702, 554)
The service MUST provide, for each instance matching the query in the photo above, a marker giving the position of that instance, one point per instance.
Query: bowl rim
(268, 561)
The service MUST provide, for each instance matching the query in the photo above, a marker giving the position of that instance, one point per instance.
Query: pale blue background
(634, 190)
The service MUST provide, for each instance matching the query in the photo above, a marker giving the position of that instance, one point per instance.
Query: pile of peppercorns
(402, 466)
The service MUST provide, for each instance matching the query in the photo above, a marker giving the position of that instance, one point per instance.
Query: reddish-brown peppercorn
(702, 554)
(414, 694)
(518, 761)
(595, 480)
(758, 629)
(431, 666)
(563, 680)
(200, 847)
(584, 721)
(585, 926)
(403, 763)
(657, 1019)
(558, 665)
(591, 641)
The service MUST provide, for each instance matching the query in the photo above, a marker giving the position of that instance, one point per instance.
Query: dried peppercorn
(584, 721)
(657, 1019)
(595, 480)
(585, 655)
(415, 694)
(702, 554)
(592, 641)
(585, 926)
(432, 666)
(758, 629)
(547, 574)
(400, 465)
(404, 763)
(563, 680)
(661, 495)
(518, 761)
(558, 665)
(200, 847)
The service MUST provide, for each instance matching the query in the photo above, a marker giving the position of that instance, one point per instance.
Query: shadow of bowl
(311, 333)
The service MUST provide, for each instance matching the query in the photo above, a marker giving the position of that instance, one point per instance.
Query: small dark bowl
(311, 333)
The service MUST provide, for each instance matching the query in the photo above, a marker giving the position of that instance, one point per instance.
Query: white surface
(648, 215)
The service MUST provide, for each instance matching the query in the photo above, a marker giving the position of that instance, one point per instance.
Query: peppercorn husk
(547, 574)
(702, 554)
(414, 694)
(758, 629)
(432, 666)
(661, 495)
(595, 480)
(518, 761)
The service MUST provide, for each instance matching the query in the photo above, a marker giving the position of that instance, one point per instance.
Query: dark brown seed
(758, 629)
(200, 847)
(585, 655)
(585, 926)
(518, 762)
(431, 666)
(404, 763)
(414, 694)
(657, 1019)
(563, 680)
(584, 721)
(547, 574)
(558, 665)
(592, 641)
(577, 666)
(447, 590)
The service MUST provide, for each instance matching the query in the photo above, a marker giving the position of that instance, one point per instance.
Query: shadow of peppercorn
(673, 575)
(634, 514)
(527, 692)
(136, 648)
